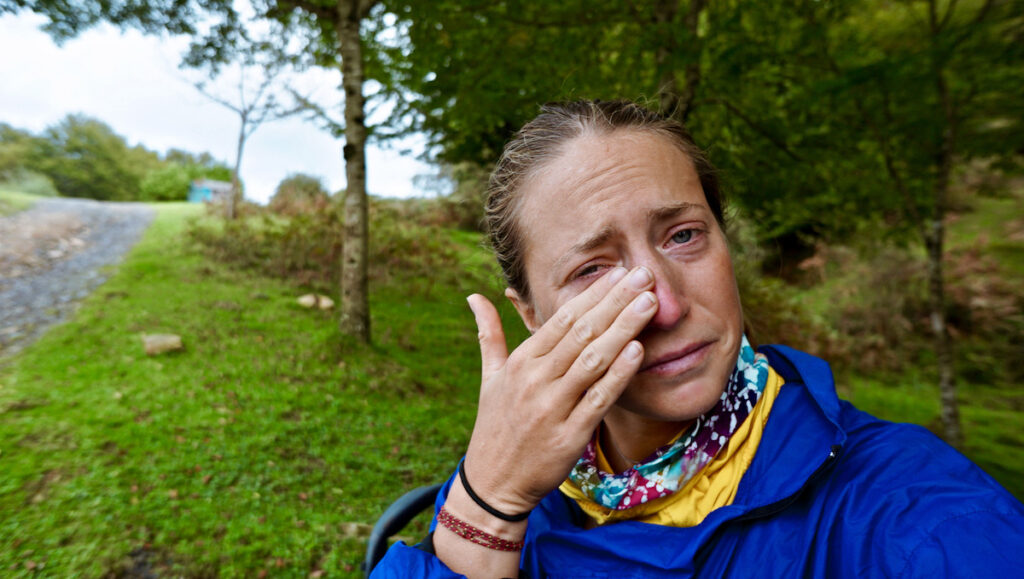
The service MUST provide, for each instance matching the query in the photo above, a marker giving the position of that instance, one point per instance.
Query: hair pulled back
(542, 140)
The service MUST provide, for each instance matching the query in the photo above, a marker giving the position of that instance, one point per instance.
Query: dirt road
(53, 254)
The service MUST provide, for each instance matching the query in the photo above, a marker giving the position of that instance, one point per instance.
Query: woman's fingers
(598, 355)
(555, 329)
(493, 350)
(597, 399)
(618, 306)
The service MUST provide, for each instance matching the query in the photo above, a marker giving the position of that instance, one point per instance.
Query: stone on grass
(316, 301)
(161, 343)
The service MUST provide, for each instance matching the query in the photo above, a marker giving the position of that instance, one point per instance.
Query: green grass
(14, 201)
(255, 448)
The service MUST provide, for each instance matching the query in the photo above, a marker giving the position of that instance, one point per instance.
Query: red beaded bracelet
(475, 535)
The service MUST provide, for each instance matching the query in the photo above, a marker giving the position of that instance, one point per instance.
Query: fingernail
(616, 274)
(644, 302)
(640, 278)
(633, 350)
(472, 308)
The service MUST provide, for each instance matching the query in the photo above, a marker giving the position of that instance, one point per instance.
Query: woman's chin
(672, 401)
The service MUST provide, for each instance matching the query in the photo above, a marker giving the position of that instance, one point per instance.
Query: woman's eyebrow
(597, 239)
(671, 211)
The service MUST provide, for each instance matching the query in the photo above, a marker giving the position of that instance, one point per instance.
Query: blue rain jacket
(831, 492)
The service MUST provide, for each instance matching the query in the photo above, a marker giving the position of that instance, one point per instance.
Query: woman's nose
(672, 304)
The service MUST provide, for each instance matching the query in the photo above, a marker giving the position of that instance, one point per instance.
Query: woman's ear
(525, 309)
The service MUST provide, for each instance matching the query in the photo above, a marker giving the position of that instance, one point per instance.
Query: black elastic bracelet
(484, 505)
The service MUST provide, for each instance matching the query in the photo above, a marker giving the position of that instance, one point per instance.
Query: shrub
(30, 182)
(299, 194)
(306, 249)
(169, 183)
(881, 311)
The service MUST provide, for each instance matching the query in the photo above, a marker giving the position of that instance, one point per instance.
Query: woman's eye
(682, 236)
(590, 269)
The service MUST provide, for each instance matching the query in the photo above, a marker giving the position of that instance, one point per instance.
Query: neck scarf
(670, 467)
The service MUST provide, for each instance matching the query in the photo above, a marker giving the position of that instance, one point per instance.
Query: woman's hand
(540, 405)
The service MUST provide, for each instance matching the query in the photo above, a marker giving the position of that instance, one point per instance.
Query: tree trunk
(355, 305)
(675, 101)
(668, 87)
(950, 411)
(231, 203)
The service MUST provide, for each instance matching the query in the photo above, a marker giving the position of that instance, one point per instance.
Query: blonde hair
(542, 140)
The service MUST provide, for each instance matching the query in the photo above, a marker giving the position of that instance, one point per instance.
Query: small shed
(208, 190)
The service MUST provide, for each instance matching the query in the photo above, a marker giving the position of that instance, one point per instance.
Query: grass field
(269, 443)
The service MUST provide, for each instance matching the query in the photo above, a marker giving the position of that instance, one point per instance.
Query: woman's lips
(679, 361)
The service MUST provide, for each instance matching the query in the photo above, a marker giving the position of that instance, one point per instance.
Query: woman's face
(633, 198)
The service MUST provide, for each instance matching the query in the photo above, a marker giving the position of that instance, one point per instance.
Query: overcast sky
(132, 83)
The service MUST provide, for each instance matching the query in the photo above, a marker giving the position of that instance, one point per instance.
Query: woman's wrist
(472, 558)
(461, 505)
(510, 517)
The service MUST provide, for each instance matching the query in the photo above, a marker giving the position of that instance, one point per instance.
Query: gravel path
(52, 255)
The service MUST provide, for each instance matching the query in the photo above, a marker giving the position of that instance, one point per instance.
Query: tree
(340, 24)
(84, 157)
(199, 165)
(928, 82)
(168, 183)
(260, 68)
(16, 148)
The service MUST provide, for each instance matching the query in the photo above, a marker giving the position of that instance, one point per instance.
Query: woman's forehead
(597, 177)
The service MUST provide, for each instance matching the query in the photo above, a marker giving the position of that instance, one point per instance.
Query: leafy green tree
(84, 157)
(928, 84)
(169, 183)
(199, 165)
(16, 150)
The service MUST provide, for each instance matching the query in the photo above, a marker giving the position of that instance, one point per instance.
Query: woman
(637, 433)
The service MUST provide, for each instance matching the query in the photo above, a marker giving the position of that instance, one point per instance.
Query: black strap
(483, 504)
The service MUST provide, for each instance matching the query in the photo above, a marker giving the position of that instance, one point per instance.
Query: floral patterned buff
(671, 466)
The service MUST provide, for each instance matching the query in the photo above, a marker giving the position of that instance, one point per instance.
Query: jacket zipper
(781, 505)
